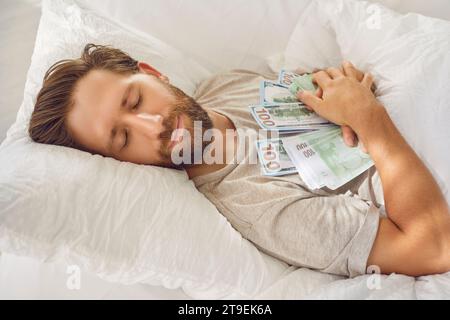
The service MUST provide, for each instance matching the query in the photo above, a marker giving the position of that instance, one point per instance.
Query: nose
(147, 124)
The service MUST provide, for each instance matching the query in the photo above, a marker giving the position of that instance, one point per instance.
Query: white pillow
(433, 8)
(123, 222)
(72, 27)
(409, 55)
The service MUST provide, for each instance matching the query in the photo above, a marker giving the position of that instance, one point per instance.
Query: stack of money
(307, 144)
(274, 159)
(288, 118)
(281, 111)
(285, 91)
(322, 159)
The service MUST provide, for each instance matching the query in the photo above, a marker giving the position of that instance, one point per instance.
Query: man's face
(131, 117)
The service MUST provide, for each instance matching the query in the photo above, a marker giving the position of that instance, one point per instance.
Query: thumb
(349, 136)
(309, 99)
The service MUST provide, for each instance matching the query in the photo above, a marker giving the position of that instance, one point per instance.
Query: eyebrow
(113, 132)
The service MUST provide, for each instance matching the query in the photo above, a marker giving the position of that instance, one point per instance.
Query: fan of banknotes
(306, 143)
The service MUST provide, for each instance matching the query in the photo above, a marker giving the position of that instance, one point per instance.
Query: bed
(26, 278)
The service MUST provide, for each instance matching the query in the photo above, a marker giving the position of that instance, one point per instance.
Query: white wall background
(19, 20)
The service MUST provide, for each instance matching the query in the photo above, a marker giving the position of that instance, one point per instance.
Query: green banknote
(285, 77)
(302, 83)
(288, 117)
(295, 82)
(323, 159)
(273, 158)
(271, 92)
(315, 149)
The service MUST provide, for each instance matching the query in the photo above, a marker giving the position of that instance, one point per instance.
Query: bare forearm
(415, 238)
(411, 193)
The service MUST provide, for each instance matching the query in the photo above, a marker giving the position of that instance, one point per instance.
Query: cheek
(143, 151)
(158, 102)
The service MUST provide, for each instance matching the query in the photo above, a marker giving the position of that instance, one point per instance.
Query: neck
(221, 124)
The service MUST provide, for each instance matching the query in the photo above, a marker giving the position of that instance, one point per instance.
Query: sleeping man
(107, 103)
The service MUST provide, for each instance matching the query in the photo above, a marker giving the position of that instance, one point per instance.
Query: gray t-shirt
(331, 231)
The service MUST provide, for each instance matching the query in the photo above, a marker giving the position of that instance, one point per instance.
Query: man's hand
(415, 237)
(340, 93)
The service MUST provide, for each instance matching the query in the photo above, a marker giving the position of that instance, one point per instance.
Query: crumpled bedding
(303, 283)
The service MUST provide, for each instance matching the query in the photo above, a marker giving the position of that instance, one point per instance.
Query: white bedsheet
(25, 278)
(307, 284)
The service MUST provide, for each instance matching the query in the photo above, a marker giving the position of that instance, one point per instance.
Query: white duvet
(307, 284)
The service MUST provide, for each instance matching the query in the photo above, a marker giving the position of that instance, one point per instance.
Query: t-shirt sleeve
(333, 234)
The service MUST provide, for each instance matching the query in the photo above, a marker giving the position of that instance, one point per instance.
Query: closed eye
(125, 139)
(138, 103)
(135, 107)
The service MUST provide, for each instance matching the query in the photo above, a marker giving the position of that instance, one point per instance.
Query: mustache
(192, 110)
(170, 125)
(183, 106)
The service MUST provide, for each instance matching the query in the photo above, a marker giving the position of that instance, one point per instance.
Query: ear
(146, 68)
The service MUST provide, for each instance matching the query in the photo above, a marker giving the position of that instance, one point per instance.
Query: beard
(187, 106)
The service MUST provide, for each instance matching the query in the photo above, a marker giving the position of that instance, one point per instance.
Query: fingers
(347, 70)
(351, 71)
(367, 81)
(362, 147)
(300, 71)
(322, 78)
(335, 73)
(309, 108)
(319, 94)
(309, 99)
(349, 136)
